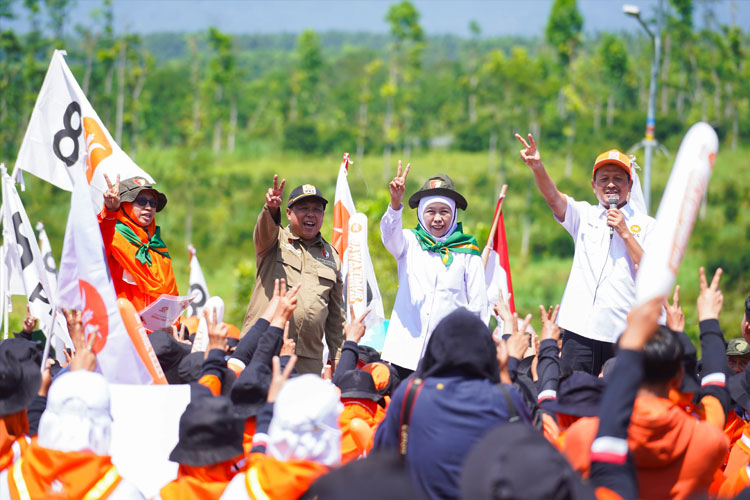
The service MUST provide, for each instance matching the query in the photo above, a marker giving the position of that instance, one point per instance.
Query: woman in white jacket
(439, 267)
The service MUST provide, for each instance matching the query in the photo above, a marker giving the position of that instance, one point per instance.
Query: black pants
(585, 355)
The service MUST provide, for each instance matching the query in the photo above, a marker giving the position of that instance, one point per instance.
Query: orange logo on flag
(94, 314)
(97, 145)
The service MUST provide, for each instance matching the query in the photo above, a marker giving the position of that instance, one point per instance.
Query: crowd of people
(608, 401)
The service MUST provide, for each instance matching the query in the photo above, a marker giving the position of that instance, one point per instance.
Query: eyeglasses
(143, 201)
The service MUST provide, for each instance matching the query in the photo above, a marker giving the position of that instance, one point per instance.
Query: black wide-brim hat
(358, 384)
(738, 386)
(131, 188)
(210, 433)
(250, 390)
(20, 376)
(189, 370)
(170, 353)
(438, 185)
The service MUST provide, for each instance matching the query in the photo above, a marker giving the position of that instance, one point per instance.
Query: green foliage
(301, 136)
(563, 30)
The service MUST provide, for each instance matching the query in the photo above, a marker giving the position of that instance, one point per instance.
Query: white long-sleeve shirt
(427, 292)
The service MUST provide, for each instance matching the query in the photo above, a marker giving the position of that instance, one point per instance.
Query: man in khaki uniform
(299, 254)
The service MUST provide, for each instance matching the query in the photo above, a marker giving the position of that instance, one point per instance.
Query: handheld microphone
(613, 201)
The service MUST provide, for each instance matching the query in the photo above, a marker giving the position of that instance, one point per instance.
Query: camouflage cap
(738, 347)
(130, 188)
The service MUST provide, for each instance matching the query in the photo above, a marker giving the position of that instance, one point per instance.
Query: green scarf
(155, 243)
(457, 242)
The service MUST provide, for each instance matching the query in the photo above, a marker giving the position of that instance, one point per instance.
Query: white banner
(64, 126)
(198, 287)
(362, 290)
(674, 221)
(85, 284)
(23, 254)
(47, 258)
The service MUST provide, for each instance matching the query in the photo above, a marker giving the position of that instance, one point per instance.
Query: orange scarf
(12, 428)
(207, 482)
(59, 475)
(281, 480)
(151, 281)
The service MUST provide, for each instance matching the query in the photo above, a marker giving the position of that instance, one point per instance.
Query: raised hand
(29, 322)
(355, 330)
(84, 358)
(710, 299)
(398, 186)
(549, 329)
(273, 196)
(502, 309)
(112, 194)
(289, 346)
(278, 284)
(530, 154)
(286, 306)
(74, 319)
(217, 332)
(279, 379)
(675, 316)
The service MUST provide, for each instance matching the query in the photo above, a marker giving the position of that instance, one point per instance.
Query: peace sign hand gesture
(398, 186)
(112, 194)
(530, 154)
(273, 196)
(710, 299)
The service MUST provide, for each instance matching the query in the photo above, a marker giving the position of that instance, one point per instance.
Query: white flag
(47, 258)
(198, 287)
(676, 215)
(23, 254)
(64, 126)
(85, 284)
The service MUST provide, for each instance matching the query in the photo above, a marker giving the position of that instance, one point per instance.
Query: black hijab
(461, 344)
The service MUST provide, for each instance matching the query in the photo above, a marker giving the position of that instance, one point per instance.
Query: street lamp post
(649, 141)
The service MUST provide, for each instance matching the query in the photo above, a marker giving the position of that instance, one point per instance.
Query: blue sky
(496, 17)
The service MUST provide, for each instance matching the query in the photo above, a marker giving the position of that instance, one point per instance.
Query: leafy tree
(563, 30)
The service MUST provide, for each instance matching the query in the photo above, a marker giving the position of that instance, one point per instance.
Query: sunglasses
(143, 201)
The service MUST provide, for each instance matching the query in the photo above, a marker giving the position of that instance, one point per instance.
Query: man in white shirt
(608, 248)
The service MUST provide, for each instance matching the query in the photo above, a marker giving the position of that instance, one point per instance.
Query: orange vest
(13, 438)
(269, 478)
(739, 454)
(58, 475)
(208, 482)
(735, 483)
(140, 283)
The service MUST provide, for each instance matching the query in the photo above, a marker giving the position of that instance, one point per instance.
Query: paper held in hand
(164, 311)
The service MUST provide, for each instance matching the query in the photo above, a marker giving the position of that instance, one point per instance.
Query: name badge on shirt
(289, 246)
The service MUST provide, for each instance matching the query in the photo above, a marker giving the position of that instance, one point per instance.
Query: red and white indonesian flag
(198, 287)
(497, 269)
(85, 284)
(64, 126)
(343, 209)
(24, 266)
(676, 215)
(350, 240)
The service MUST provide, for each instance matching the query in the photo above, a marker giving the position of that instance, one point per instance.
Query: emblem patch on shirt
(635, 228)
(326, 253)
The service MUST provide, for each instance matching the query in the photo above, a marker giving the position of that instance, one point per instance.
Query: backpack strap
(512, 412)
(410, 397)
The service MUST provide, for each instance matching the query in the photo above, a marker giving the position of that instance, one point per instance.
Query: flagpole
(2, 290)
(493, 229)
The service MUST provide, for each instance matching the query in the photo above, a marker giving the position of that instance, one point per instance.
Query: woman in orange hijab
(138, 258)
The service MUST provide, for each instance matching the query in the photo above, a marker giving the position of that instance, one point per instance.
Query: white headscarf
(77, 417)
(428, 200)
(305, 424)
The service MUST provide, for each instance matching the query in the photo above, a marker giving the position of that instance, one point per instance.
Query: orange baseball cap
(612, 157)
